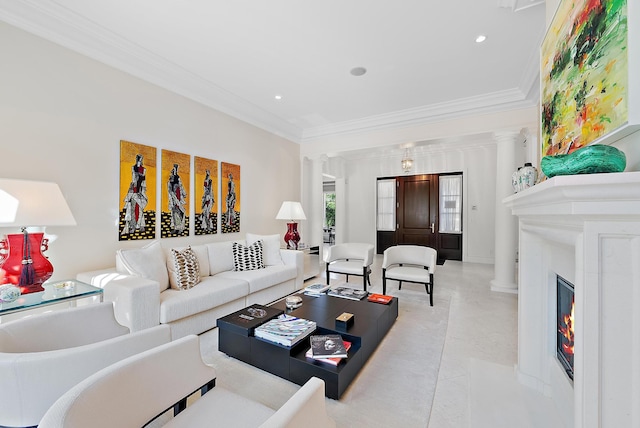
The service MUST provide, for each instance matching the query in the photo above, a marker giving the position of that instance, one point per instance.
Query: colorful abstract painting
(206, 196)
(176, 176)
(584, 74)
(137, 192)
(230, 176)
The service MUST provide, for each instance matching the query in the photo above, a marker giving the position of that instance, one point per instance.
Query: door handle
(433, 228)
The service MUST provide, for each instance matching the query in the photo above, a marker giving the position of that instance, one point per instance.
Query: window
(386, 204)
(450, 204)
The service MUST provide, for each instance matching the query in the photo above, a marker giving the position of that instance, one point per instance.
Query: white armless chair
(409, 263)
(157, 383)
(43, 356)
(350, 259)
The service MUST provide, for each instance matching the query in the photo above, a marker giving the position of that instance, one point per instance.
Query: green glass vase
(593, 159)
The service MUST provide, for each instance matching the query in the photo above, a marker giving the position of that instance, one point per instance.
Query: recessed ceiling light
(481, 38)
(358, 71)
(278, 97)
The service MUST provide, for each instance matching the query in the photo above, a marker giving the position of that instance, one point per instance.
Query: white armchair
(43, 356)
(350, 259)
(158, 381)
(409, 263)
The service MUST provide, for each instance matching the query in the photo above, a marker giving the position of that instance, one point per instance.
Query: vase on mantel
(524, 177)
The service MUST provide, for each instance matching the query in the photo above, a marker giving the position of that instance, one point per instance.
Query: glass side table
(54, 292)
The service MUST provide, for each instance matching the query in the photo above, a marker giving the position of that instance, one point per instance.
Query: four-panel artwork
(215, 193)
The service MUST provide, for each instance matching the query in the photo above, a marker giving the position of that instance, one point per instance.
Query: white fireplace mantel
(585, 228)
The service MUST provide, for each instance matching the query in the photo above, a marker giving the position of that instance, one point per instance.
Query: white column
(506, 224)
(312, 202)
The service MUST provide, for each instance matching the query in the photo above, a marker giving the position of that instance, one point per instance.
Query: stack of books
(348, 293)
(285, 330)
(328, 348)
(316, 289)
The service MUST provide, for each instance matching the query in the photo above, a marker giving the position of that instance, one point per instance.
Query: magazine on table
(348, 293)
(286, 330)
(327, 346)
(330, 360)
(316, 289)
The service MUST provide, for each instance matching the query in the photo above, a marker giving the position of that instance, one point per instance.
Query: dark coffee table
(372, 321)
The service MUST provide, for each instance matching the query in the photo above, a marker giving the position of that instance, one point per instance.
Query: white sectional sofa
(144, 285)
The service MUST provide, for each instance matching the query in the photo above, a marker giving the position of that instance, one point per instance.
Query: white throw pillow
(247, 258)
(147, 262)
(185, 269)
(270, 248)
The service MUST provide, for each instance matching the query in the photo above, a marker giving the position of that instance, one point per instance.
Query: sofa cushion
(270, 248)
(220, 257)
(147, 262)
(247, 257)
(262, 278)
(209, 293)
(184, 269)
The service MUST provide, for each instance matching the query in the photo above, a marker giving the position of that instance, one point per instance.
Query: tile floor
(472, 333)
(476, 384)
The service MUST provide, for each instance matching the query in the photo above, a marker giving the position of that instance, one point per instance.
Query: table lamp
(39, 203)
(291, 211)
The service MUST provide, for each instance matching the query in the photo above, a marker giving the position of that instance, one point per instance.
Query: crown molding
(52, 22)
(487, 103)
(49, 20)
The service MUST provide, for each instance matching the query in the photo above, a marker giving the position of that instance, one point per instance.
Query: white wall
(62, 117)
(478, 164)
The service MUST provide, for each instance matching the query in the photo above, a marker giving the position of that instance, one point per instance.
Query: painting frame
(137, 194)
(230, 197)
(175, 180)
(587, 59)
(206, 185)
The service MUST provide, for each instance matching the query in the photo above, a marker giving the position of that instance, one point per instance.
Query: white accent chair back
(43, 356)
(157, 382)
(350, 259)
(409, 263)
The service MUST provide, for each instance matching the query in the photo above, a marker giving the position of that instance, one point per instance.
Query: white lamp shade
(39, 203)
(8, 207)
(291, 210)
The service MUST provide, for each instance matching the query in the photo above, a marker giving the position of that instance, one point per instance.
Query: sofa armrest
(305, 408)
(136, 300)
(294, 258)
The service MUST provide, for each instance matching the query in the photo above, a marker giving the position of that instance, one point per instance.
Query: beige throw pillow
(186, 269)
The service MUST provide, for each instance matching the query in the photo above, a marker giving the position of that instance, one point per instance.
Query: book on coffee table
(330, 360)
(380, 298)
(347, 293)
(327, 346)
(316, 289)
(285, 330)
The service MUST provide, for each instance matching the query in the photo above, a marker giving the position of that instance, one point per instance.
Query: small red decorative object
(22, 259)
(292, 237)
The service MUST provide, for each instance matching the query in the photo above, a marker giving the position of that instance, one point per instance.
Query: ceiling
(422, 61)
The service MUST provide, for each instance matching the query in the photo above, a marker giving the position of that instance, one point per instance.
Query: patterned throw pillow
(247, 258)
(186, 269)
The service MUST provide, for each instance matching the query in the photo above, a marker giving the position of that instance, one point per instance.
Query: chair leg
(384, 282)
(327, 273)
(399, 285)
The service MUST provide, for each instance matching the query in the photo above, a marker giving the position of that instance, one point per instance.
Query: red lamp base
(22, 259)
(292, 237)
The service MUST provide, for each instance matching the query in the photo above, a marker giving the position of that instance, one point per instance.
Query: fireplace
(565, 316)
(585, 229)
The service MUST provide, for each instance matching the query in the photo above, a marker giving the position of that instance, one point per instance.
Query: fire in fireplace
(565, 320)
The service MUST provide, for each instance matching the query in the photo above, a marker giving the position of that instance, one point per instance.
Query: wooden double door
(417, 215)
